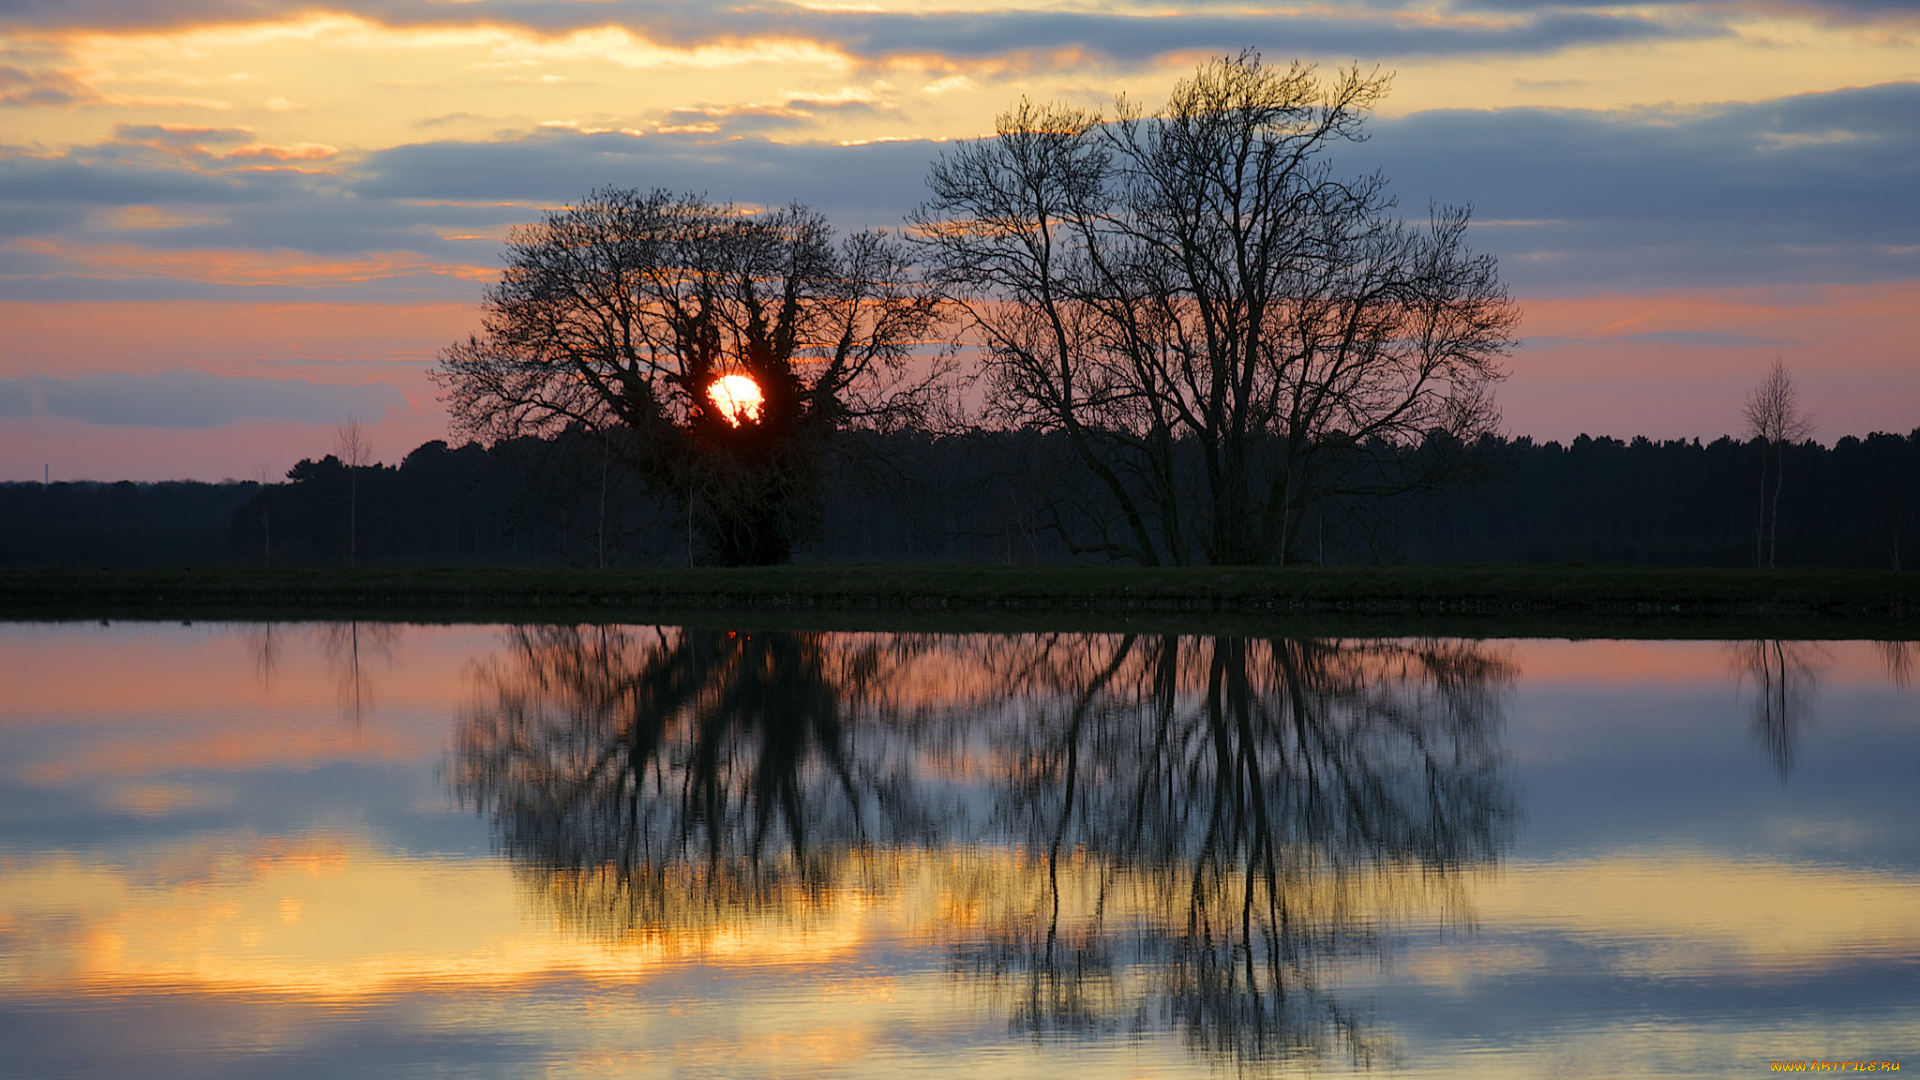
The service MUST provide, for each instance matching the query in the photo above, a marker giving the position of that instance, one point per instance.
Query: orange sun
(737, 397)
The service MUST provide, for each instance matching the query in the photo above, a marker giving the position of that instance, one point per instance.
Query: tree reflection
(1784, 675)
(672, 779)
(344, 643)
(1897, 657)
(1256, 809)
(349, 647)
(1187, 833)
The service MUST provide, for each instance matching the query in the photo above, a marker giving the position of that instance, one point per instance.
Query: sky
(229, 226)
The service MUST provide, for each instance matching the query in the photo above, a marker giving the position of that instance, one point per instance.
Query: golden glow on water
(799, 851)
(1686, 914)
(332, 915)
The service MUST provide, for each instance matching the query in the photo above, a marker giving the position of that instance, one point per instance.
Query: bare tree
(1775, 420)
(622, 313)
(1219, 325)
(265, 479)
(355, 448)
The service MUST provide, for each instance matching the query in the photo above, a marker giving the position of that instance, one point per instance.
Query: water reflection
(1784, 676)
(675, 779)
(831, 855)
(1108, 832)
(1897, 657)
(350, 649)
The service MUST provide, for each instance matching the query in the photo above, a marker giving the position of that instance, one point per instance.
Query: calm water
(375, 850)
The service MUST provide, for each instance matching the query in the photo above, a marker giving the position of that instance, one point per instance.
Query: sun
(737, 397)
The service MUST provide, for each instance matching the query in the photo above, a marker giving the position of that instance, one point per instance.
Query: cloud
(1815, 188)
(1357, 29)
(1720, 339)
(874, 184)
(181, 139)
(1810, 188)
(61, 215)
(24, 86)
(1824, 10)
(302, 151)
(793, 110)
(1138, 37)
(191, 399)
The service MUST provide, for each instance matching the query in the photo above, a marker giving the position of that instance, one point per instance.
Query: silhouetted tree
(621, 313)
(1219, 326)
(1776, 421)
(356, 453)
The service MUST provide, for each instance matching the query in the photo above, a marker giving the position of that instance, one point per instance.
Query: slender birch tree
(1775, 421)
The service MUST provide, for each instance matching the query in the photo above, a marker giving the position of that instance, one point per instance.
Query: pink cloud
(1676, 364)
(325, 343)
(242, 266)
(227, 337)
(75, 450)
(304, 151)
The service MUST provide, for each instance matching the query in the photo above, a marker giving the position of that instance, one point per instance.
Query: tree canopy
(1219, 323)
(620, 315)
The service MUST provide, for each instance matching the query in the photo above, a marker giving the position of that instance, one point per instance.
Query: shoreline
(1659, 601)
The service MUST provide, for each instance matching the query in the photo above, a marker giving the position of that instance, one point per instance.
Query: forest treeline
(989, 497)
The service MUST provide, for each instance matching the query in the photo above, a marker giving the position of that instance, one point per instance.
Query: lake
(393, 850)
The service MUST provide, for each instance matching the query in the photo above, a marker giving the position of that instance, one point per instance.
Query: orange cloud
(76, 450)
(244, 267)
(329, 342)
(305, 151)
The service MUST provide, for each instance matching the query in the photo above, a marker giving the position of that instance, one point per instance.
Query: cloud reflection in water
(1106, 833)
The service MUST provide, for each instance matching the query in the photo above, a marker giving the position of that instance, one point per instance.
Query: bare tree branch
(1215, 321)
(620, 313)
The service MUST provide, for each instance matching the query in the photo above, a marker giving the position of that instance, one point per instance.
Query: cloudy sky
(228, 225)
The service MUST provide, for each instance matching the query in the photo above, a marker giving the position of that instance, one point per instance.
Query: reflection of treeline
(1106, 831)
(995, 497)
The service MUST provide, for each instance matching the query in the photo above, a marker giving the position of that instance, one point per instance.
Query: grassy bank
(1873, 603)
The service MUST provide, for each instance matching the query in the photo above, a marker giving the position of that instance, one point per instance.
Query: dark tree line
(1683, 503)
(120, 524)
(993, 497)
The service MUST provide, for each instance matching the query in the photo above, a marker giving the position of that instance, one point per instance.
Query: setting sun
(738, 398)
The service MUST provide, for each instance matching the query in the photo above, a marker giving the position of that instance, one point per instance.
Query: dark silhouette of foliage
(176, 523)
(616, 316)
(1219, 327)
(988, 497)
